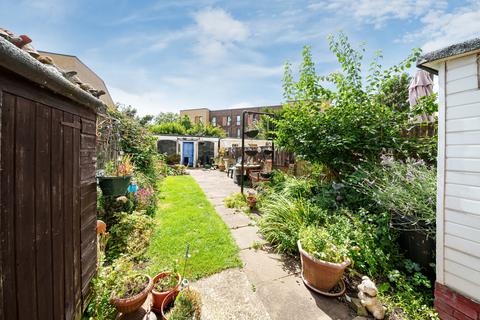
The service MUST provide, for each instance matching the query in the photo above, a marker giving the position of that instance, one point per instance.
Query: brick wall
(452, 305)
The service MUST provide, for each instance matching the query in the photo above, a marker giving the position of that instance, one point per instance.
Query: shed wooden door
(48, 196)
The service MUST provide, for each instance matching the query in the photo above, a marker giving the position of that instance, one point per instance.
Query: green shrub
(235, 201)
(404, 188)
(283, 217)
(318, 242)
(130, 236)
(187, 306)
(108, 279)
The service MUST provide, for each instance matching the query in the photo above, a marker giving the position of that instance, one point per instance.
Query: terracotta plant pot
(166, 303)
(319, 275)
(158, 297)
(252, 201)
(221, 167)
(132, 304)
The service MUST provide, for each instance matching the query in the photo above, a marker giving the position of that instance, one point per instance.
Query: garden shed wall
(458, 191)
(47, 191)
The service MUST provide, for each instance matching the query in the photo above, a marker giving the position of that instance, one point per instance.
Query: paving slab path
(274, 281)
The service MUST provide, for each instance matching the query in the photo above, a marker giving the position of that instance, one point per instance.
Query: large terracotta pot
(158, 297)
(319, 275)
(166, 303)
(132, 304)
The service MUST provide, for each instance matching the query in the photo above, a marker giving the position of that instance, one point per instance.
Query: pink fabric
(420, 86)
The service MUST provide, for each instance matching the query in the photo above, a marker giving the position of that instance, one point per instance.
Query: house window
(214, 121)
(224, 121)
(229, 120)
(238, 132)
(238, 120)
(198, 119)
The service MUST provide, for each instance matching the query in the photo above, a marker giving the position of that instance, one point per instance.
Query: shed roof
(463, 48)
(21, 63)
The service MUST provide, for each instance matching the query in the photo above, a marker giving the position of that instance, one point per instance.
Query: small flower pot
(132, 304)
(251, 133)
(221, 167)
(114, 186)
(158, 297)
(319, 275)
(252, 201)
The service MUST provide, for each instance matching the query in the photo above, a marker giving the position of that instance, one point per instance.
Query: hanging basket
(114, 186)
(251, 133)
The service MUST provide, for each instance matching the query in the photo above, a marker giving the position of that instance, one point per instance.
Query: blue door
(187, 154)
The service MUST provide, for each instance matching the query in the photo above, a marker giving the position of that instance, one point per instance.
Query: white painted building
(458, 193)
(195, 150)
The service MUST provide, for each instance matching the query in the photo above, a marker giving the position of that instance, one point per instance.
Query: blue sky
(168, 55)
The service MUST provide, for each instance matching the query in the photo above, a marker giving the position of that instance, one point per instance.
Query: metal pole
(243, 149)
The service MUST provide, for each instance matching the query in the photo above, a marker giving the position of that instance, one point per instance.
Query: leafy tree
(146, 120)
(337, 120)
(169, 128)
(164, 117)
(186, 122)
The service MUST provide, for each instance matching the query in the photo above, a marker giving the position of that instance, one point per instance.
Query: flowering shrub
(146, 200)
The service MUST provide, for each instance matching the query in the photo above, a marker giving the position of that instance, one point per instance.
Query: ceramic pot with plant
(163, 284)
(323, 260)
(251, 199)
(186, 306)
(131, 293)
(116, 178)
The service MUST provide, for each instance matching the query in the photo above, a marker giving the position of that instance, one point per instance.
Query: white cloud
(218, 33)
(441, 28)
(378, 12)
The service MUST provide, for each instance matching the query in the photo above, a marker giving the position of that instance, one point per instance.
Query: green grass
(186, 216)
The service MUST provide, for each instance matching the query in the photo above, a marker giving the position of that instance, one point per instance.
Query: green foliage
(393, 93)
(283, 217)
(130, 235)
(168, 128)
(137, 142)
(166, 283)
(236, 201)
(319, 243)
(188, 306)
(354, 122)
(166, 117)
(406, 189)
(109, 280)
(185, 127)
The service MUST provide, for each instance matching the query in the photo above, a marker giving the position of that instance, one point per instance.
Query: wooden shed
(457, 293)
(47, 190)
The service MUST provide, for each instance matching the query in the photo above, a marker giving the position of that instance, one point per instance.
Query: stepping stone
(236, 220)
(229, 295)
(246, 236)
(289, 298)
(261, 266)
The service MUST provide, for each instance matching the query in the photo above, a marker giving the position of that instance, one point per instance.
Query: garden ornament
(367, 293)
(132, 187)
(122, 199)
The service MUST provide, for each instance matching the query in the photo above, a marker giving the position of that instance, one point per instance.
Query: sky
(161, 56)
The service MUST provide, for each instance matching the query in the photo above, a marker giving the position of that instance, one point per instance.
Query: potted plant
(163, 284)
(116, 178)
(323, 260)
(187, 305)
(131, 292)
(251, 198)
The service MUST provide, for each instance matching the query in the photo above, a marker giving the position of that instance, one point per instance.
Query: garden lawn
(185, 216)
